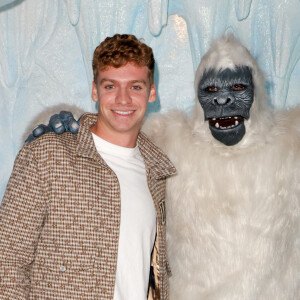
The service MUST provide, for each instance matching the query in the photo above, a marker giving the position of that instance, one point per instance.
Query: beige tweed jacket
(60, 217)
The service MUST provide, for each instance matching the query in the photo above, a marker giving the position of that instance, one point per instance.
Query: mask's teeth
(217, 125)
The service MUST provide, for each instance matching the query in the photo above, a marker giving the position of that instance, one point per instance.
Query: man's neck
(119, 139)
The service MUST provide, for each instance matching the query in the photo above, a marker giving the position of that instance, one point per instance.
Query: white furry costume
(233, 212)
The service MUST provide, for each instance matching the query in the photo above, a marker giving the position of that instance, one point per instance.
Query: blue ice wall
(46, 50)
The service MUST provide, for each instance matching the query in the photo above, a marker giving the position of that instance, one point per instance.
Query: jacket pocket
(66, 260)
(65, 274)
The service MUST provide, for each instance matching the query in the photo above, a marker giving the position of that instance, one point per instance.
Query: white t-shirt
(138, 220)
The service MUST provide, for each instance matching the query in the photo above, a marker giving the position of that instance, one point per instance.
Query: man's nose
(123, 96)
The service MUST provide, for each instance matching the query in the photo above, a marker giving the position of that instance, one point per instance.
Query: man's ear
(152, 95)
(94, 92)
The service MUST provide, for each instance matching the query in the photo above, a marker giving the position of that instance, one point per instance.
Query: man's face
(122, 94)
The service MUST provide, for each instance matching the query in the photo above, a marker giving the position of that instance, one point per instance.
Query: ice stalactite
(7, 2)
(284, 57)
(242, 8)
(8, 55)
(157, 15)
(73, 7)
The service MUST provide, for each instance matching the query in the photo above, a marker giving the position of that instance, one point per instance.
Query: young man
(83, 216)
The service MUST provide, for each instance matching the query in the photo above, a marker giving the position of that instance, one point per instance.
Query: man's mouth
(226, 122)
(123, 113)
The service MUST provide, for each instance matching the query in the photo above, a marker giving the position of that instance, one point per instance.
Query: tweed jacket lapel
(86, 146)
(155, 160)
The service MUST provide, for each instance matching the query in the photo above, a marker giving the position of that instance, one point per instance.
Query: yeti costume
(233, 212)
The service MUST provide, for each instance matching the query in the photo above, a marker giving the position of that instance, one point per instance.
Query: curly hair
(118, 50)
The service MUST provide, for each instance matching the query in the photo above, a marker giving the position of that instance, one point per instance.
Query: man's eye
(109, 86)
(136, 87)
(211, 89)
(238, 87)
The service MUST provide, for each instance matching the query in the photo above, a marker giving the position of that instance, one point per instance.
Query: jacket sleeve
(22, 214)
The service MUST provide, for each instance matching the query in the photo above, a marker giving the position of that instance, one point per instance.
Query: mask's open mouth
(226, 122)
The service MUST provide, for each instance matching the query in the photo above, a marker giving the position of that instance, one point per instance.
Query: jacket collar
(85, 142)
(156, 162)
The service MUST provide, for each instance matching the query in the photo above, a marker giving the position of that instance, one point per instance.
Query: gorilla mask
(226, 96)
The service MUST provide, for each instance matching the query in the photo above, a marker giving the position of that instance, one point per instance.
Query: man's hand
(58, 123)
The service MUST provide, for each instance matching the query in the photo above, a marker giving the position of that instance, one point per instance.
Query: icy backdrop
(46, 49)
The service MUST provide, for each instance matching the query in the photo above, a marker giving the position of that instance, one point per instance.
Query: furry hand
(58, 123)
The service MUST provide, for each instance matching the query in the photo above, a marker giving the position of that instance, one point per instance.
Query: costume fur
(233, 212)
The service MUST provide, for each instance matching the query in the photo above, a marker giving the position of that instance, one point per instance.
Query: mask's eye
(211, 89)
(238, 87)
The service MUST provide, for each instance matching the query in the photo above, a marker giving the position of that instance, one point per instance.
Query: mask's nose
(223, 100)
